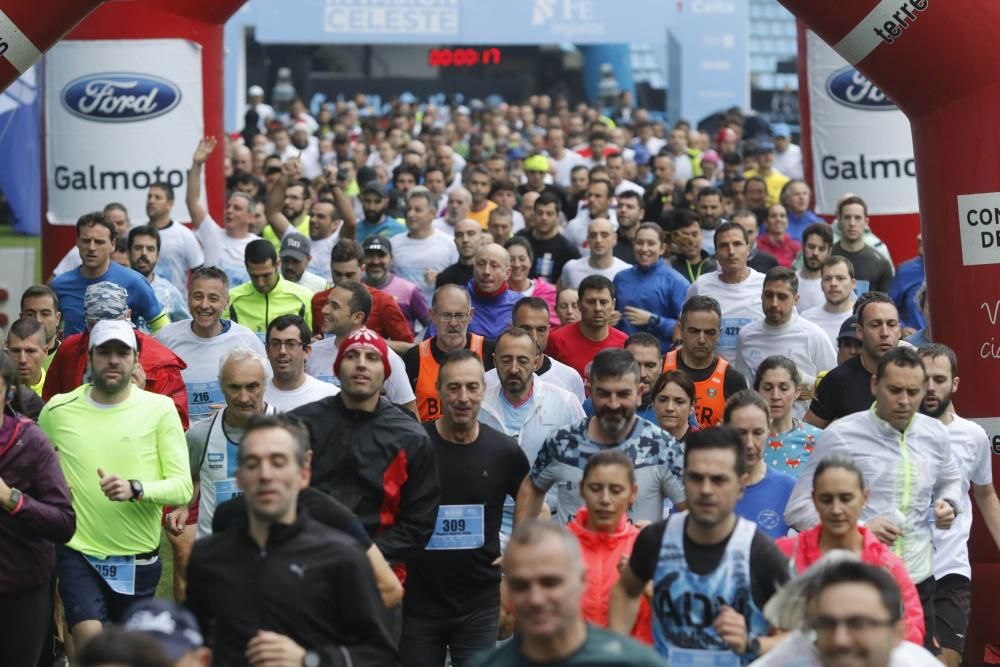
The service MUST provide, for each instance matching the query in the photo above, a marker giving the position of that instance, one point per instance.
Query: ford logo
(851, 88)
(120, 97)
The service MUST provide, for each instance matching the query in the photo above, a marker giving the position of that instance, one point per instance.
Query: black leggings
(25, 626)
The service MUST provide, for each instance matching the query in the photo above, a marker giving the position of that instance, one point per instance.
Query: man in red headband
(371, 455)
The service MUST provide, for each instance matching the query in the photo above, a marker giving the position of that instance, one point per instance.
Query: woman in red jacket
(839, 493)
(606, 536)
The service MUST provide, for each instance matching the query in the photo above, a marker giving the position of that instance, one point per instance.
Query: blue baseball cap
(173, 627)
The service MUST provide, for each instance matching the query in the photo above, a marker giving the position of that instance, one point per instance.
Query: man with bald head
(601, 238)
(492, 299)
(459, 204)
(468, 240)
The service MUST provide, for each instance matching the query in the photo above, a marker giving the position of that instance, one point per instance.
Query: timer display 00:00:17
(463, 57)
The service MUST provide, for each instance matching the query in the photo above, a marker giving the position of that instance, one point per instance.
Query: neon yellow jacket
(255, 310)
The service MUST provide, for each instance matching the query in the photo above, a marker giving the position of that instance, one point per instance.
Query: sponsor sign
(861, 141)
(112, 130)
(979, 222)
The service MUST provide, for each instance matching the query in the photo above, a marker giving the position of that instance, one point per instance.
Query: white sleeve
(397, 387)
(211, 237)
(800, 513)
(982, 472)
(193, 253)
(70, 261)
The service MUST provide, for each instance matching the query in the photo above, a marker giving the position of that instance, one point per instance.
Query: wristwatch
(136, 490)
(753, 648)
(654, 320)
(15, 498)
(311, 659)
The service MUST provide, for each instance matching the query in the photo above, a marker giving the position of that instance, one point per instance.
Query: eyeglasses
(276, 345)
(826, 625)
(458, 317)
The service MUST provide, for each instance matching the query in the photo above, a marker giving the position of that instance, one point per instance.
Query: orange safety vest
(428, 403)
(710, 397)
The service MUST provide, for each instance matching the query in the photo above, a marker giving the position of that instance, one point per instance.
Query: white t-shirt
(789, 163)
(180, 252)
(309, 391)
(810, 293)
(313, 282)
(629, 186)
(412, 258)
(224, 251)
(202, 356)
(971, 448)
(320, 366)
(441, 225)
(320, 252)
(564, 167)
(799, 339)
(740, 303)
(559, 375)
(575, 270)
(828, 322)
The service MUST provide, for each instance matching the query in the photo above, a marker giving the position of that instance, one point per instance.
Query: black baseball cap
(377, 243)
(173, 627)
(849, 329)
(376, 187)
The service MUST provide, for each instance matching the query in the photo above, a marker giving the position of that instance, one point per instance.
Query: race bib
(117, 571)
(731, 329)
(202, 396)
(458, 527)
(690, 657)
(861, 287)
(225, 489)
(329, 379)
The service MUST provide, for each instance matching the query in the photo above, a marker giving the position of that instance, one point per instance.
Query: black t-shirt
(693, 271)
(731, 383)
(762, 261)
(411, 358)
(623, 250)
(564, 201)
(869, 265)
(768, 566)
(550, 255)
(318, 505)
(843, 391)
(447, 582)
(456, 274)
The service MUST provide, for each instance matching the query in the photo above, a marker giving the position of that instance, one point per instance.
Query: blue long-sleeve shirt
(903, 290)
(659, 289)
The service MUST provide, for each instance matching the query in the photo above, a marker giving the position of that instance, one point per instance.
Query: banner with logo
(861, 143)
(119, 116)
(461, 21)
(20, 144)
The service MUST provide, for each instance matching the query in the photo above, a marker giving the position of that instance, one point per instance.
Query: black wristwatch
(137, 493)
(654, 320)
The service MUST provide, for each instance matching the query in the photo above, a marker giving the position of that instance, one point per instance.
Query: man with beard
(180, 251)
(706, 557)
(616, 390)
(295, 258)
(453, 592)
(523, 405)
(375, 203)
(451, 312)
(971, 448)
(378, 267)
(838, 283)
(710, 215)
(783, 331)
(630, 215)
(646, 350)
(817, 242)
(121, 479)
(690, 259)
(288, 196)
(144, 245)
(533, 316)
(847, 388)
(459, 203)
(468, 241)
(906, 456)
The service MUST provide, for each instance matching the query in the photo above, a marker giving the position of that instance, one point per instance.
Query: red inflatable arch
(939, 60)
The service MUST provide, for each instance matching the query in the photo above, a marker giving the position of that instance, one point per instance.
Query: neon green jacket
(255, 310)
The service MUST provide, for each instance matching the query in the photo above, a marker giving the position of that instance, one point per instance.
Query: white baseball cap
(107, 330)
(255, 91)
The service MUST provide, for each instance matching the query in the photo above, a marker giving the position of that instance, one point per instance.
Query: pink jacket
(602, 552)
(805, 545)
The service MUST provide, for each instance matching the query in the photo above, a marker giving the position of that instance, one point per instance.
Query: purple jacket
(46, 514)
